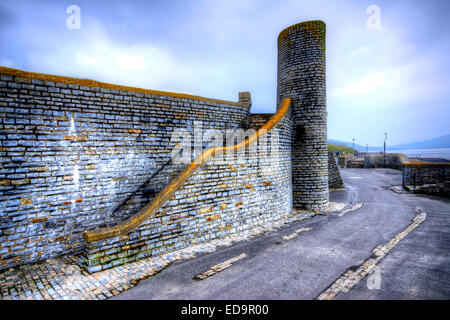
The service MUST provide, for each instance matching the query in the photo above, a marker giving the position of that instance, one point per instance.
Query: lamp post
(384, 148)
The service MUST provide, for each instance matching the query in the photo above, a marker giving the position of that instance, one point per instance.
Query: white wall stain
(76, 177)
(72, 129)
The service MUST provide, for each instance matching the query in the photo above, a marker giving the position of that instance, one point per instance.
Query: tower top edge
(305, 25)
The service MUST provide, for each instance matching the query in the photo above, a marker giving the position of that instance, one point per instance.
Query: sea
(424, 153)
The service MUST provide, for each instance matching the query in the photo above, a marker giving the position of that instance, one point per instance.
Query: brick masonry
(342, 161)
(372, 160)
(427, 178)
(334, 176)
(391, 160)
(221, 198)
(302, 77)
(77, 157)
(257, 120)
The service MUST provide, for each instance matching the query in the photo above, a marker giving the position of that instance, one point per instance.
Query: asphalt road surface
(305, 265)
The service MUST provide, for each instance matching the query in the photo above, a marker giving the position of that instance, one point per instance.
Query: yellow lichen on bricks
(136, 131)
(82, 138)
(38, 220)
(23, 79)
(39, 169)
(78, 138)
(92, 83)
(71, 137)
(5, 182)
(250, 187)
(225, 227)
(425, 163)
(25, 201)
(20, 182)
(212, 217)
(90, 152)
(205, 210)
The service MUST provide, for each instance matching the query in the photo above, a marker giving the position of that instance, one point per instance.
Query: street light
(384, 147)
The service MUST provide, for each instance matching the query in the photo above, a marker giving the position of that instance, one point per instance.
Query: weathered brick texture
(302, 77)
(222, 197)
(257, 120)
(427, 177)
(78, 155)
(334, 176)
(75, 158)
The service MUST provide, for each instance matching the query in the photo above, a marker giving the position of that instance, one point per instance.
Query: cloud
(95, 56)
(367, 84)
(400, 84)
(217, 48)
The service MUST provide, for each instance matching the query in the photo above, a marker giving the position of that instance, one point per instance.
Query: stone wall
(222, 197)
(355, 163)
(427, 178)
(342, 161)
(79, 154)
(372, 160)
(392, 160)
(334, 176)
(302, 77)
(257, 120)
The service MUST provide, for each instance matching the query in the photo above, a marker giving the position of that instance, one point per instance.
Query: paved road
(304, 266)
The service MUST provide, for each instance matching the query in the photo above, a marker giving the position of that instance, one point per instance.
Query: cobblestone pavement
(63, 279)
(219, 267)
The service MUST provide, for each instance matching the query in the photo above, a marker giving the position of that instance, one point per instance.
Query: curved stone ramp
(152, 207)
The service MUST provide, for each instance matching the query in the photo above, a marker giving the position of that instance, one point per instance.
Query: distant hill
(340, 148)
(436, 143)
(357, 147)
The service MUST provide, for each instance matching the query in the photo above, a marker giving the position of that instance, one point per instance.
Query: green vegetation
(341, 149)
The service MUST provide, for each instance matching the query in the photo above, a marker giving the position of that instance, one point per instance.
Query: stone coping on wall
(307, 25)
(97, 84)
(424, 164)
(152, 207)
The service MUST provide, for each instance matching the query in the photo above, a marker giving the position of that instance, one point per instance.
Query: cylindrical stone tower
(302, 77)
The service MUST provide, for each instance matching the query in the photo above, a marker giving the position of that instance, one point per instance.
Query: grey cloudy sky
(394, 79)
